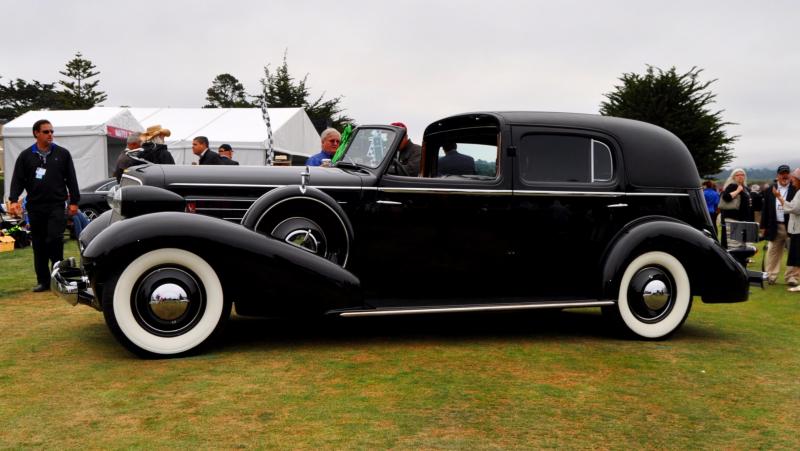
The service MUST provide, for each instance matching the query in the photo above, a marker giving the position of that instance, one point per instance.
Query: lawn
(727, 380)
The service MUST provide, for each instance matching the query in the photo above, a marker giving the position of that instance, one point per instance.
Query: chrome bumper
(69, 282)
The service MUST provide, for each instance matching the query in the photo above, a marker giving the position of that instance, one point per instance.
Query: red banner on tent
(119, 133)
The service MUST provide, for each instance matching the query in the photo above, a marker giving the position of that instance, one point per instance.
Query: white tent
(95, 138)
(242, 128)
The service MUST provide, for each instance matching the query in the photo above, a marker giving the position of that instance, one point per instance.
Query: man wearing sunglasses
(46, 172)
(330, 140)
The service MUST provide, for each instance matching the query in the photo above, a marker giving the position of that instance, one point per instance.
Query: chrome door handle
(389, 202)
(617, 205)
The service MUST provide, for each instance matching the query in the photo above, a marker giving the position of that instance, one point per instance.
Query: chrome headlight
(110, 195)
(116, 202)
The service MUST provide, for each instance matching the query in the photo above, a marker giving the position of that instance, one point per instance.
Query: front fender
(255, 270)
(713, 273)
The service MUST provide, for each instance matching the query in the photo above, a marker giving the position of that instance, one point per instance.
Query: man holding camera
(773, 227)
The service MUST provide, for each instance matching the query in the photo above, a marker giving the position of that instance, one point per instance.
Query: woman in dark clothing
(736, 187)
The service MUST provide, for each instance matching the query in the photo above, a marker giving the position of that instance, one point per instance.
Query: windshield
(369, 146)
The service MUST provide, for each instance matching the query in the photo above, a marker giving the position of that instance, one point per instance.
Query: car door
(439, 239)
(568, 200)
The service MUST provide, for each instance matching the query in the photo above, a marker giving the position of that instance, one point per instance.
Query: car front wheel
(164, 303)
(654, 296)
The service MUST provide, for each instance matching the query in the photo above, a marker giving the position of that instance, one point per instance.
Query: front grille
(228, 209)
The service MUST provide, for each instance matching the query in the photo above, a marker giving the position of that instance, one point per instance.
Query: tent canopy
(242, 128)
(93, 137)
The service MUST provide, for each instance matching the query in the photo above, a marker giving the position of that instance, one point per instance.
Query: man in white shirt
(773, 226)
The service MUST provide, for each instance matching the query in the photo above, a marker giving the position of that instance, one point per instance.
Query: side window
(466, 155)
(563, 158)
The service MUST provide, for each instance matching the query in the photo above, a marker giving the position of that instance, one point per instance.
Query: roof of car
(654, 157)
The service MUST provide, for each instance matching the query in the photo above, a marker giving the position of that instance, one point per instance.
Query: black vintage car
(555, 211)
(93, 197)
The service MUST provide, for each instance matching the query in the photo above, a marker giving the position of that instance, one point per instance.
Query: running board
(386, 311)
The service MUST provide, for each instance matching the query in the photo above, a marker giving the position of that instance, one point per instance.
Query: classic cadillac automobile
(555, 211)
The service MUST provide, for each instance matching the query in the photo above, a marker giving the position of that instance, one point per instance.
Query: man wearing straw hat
(153, 148)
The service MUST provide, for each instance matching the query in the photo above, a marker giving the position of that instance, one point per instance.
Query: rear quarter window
(564, 159)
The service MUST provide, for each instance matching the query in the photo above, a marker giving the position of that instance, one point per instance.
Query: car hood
(176, 176)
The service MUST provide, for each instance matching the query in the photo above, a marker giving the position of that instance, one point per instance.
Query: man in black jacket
(207, 156)
(773, 227)
(454, 163)
(226, 155)
(47, 174)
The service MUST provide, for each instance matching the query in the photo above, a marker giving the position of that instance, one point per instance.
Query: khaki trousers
(775, 255)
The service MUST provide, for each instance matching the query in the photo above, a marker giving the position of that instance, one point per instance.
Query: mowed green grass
(727, 380)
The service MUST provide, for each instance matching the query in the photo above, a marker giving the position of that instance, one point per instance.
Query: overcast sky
(417, 61)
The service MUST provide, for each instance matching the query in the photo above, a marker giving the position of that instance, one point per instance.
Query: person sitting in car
(454, 163)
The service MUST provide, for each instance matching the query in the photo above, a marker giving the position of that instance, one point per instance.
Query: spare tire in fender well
(321, 212)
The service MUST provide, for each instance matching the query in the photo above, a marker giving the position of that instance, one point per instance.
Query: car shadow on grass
(541, 326)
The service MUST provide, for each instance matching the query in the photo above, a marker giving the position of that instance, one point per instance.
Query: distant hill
(755, 175)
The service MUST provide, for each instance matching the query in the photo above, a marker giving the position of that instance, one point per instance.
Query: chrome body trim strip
(219, 209)
(658, 194)
(568, 193)
(136, 179)
(247, 185)
(478, 308)
(432, 190)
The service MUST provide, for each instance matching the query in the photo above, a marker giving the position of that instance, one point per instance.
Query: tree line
(678, 102)
(282, 91)
(77, 91)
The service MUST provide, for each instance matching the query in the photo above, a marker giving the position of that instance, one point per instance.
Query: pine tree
(284, 92)
(679, 103)
(79, 93)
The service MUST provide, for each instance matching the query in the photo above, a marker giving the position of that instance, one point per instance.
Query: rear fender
(254, 270)
(713, 273)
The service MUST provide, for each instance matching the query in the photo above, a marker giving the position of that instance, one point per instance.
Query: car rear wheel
(166, 302)
(654, 296)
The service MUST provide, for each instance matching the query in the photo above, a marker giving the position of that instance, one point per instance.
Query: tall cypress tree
(284, 92)
(679, 103)
(79, 93)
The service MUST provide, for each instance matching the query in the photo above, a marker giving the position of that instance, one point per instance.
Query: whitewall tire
(165, 302)
(654, 295)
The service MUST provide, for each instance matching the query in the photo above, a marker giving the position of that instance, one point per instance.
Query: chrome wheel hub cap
(651, 294)
(169, 301)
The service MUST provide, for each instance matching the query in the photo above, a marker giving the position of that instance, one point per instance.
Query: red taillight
(191, 207)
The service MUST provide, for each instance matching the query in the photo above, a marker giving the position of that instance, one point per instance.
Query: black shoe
(41, 287)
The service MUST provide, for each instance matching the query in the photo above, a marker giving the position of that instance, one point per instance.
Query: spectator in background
(226, 154)
(409, 154)
(757, 200)
(46, 172)
(736, 187)
(207, 156)
(454, 163)
(130, 156)
(712, 200)
(330, 140)
(153, 148)
(774, 221)
(792, 208)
